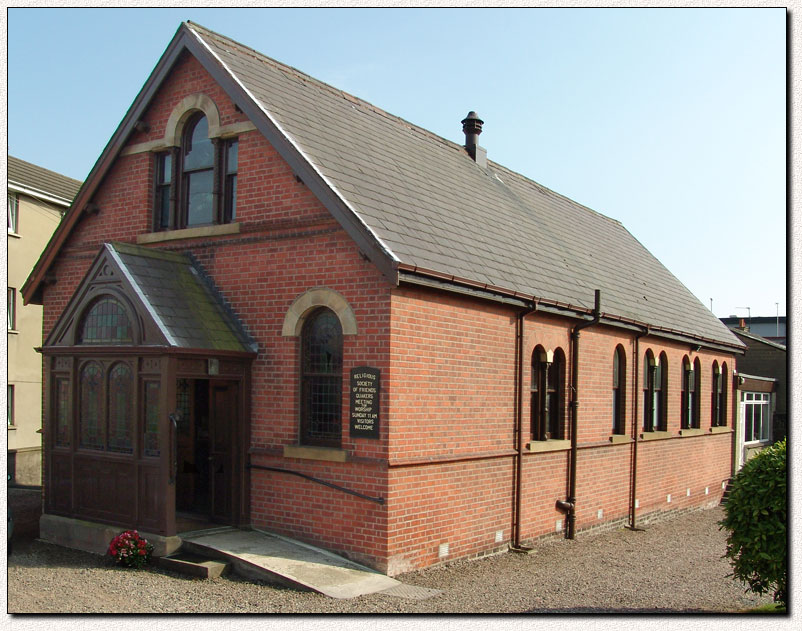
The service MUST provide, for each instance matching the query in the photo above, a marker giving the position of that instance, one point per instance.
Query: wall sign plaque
(365, 390)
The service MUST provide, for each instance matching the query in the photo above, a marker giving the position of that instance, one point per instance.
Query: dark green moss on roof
(181, 299)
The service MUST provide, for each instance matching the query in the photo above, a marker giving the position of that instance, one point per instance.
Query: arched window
(321, 378)
(91, 407)
(197, 166)
(106, 322)
(196, 183)
(619, 388)
(715, 396)
(547, 394)
(691, 373)
(655, 389)
(120, 406)
(722, 396)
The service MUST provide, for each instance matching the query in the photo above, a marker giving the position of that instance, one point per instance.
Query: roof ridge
(300, 74)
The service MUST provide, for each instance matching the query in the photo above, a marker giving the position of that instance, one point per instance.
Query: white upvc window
(756, 408)
(12, 308)
(13, 213)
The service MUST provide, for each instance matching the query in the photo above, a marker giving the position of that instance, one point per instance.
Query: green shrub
(756, 514)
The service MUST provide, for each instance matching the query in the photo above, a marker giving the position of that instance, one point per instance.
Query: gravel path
(674, 566)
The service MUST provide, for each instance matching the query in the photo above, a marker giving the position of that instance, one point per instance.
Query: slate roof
(43, 181)
(420, 207)
(182, 301)
(432, 207)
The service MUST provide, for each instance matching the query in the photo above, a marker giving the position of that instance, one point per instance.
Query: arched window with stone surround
(321, 379)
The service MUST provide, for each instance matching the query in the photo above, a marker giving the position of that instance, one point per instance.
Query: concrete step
(193, 565)
(263, 556)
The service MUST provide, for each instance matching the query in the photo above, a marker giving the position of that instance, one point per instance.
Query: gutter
(569, 505)
(416, 275)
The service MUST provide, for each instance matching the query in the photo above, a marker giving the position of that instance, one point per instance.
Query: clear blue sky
(672, 121)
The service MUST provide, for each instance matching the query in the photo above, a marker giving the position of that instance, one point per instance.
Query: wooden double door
(206, 439)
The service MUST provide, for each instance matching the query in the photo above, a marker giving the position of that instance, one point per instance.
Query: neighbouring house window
(757, 416)
(691, 374)
(321, 379)
(152, 414)
(619, 383)
(547, 394)
(196, 183)
(10, 405)
(13, 213)
(62, 411)
(12, 308)
(655, 391)
(106, 322)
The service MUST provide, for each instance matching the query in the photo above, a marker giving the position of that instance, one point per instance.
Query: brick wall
(445, 461)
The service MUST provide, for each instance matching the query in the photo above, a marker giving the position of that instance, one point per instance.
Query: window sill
(188, 233)
(618, 439)
(13, 331)
(10, 427)
(720, 429)
(16, 235)
(691, 431)
(331, 454)
(540, 446)
(655, 435)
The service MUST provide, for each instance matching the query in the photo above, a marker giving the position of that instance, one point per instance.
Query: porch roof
(181, 299)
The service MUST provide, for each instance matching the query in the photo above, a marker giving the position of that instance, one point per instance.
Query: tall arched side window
(547, 394)
(722, 396)
(556, 394)
(696, 411)
(538, 404)
(690, 393)
(655, 389)
(715, 396)
(321, 379)
(91, 427)
(619, 387)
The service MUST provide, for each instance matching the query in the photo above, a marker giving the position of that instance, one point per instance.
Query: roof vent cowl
(472, 126)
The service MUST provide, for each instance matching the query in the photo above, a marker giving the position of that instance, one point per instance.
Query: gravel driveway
(673, 566)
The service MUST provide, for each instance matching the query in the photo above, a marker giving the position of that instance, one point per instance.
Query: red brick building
(273, 305)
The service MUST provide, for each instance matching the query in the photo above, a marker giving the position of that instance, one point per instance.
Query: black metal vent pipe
(570, 503)
(472, 126)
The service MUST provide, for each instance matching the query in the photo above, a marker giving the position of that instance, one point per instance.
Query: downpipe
(569, 505)
(635, 433)
(519, 372)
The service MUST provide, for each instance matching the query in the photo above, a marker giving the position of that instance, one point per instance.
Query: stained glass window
(152, 412)
(321, 378)
(120, 409)
(62, 410)
(106, 323)
(91, 405)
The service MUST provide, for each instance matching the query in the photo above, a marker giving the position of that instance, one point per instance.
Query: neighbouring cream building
(37, 198)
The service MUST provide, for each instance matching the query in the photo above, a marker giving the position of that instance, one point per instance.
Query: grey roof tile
(434, 207)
